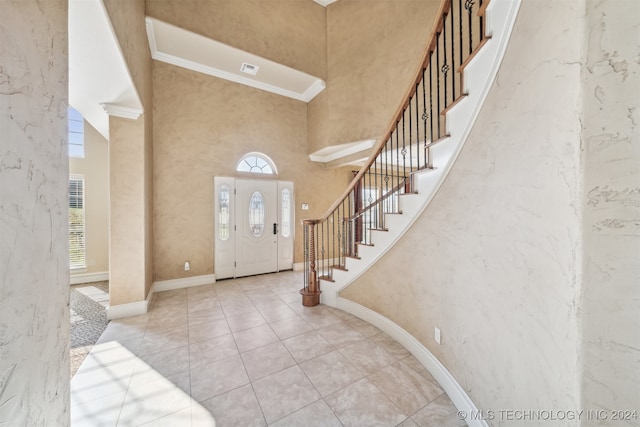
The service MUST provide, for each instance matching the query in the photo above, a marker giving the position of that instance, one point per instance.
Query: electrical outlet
(436, 334)
(187, 266)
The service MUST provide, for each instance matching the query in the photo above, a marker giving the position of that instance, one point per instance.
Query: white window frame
(256, 163)
(75, 133)
(78, 262)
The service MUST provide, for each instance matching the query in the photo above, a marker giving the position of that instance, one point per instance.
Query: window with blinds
(77, 240)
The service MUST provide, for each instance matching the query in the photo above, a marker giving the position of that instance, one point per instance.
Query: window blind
(77, 240)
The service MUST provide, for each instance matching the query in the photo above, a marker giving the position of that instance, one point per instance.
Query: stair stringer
(479, 76)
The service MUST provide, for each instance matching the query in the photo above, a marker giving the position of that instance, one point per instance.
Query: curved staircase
(408, 165)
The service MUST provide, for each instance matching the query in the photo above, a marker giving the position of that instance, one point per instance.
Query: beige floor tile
(165, 363)
(390, 345)
(245, 320)
(362, 404)
(307, 346)
(103, 411)
(160, 340)
(152, 400)
(172, 321)
(210, 303)
(330, 372)
(317, 414)
(366, 329)
(214, 340)
(207, 330)
(237, 407)
(367, 356)
(252, 338)
(205, 315)
(178, 418)
(212, 350)
(284, 393)
(267, 360)
(439, 413)
(290, 327)
(182, 380)
(409, 390)
(216, 378)
(277, 312)
(408, 423)
(340, 334)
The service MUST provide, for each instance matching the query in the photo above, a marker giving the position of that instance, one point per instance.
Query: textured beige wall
(95, 168)
(291, 32)
(495, 259)
(34, 216)
(373, 50)
(202, 127)
(127, 252)
(611, 142)
(128, 22)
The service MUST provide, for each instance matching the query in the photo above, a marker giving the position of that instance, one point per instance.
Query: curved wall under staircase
(491, 255)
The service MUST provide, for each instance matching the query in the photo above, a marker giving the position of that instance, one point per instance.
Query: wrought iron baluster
(453, 59)
(417, 98)
(425, 116)
(460, 46)
(481, 23)
(431, 96)
(445, 66)
(438, 80)
(468, 4)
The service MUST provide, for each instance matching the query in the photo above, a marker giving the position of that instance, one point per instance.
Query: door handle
(275, 228)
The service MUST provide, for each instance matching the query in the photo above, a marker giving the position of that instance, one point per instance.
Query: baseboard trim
(77, 279)
(130, 309)
(186, 282)
(454, 390)
(298, 266)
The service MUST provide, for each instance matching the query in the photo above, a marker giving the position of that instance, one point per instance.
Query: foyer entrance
(253, 223)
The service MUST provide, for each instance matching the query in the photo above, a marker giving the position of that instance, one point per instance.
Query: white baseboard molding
(186, 282)
(456, 393)
(131, 309)
(298, 266)
(77, 279)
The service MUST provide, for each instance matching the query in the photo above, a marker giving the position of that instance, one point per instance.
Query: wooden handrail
(444, 9)
(407, 137)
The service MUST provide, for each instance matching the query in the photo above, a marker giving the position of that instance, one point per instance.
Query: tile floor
(245, 352)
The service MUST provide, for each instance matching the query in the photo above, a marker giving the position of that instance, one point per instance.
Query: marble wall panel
(34, 176)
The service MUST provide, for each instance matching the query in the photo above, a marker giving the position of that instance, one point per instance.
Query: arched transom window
(257, 163)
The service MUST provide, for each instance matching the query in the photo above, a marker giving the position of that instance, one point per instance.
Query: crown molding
(317, 85)
(121, 111)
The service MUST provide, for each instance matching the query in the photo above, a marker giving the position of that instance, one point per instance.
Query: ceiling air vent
(249, 69)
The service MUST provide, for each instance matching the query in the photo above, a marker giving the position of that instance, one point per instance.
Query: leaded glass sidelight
(256, 214)
(223, 213)
(286, 213)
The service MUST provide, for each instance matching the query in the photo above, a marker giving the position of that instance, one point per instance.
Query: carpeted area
(88, 302)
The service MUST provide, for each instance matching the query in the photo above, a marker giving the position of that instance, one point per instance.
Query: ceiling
(184, 48)
(100, 83)
(99, 78)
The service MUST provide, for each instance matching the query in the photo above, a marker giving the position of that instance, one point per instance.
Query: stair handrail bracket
(412, 158)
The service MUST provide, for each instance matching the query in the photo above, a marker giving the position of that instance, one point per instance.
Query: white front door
(253, 226)
(256, 222)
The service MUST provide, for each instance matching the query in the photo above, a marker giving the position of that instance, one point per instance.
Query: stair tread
(327, 278)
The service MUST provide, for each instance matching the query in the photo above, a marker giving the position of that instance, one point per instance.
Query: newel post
(311, 291)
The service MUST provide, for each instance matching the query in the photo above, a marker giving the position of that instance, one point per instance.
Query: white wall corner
(131, 309)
